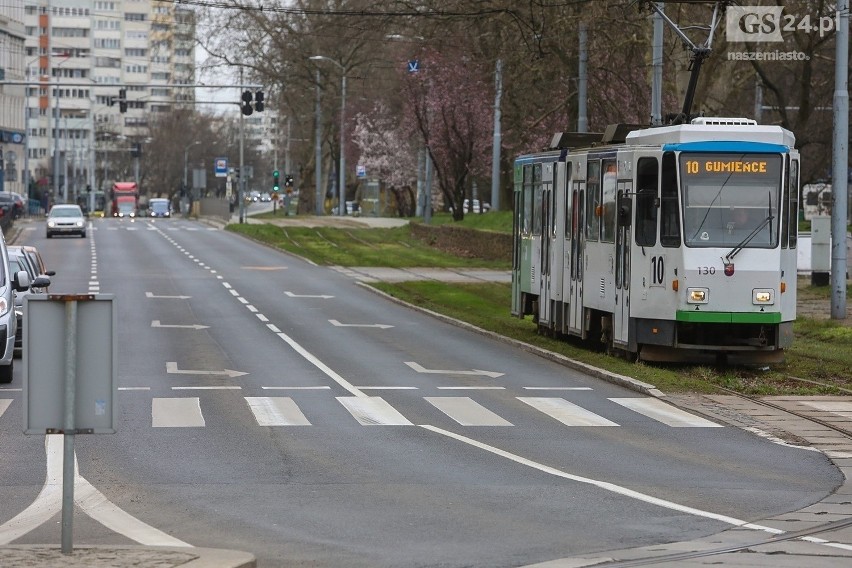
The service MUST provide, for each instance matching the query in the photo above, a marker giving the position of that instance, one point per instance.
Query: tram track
(682, 556)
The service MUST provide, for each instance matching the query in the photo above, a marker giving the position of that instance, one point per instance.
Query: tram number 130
(658, 270)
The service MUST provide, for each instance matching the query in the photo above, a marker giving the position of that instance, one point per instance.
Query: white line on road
(156, 323)
(150, 295)
(420, 369)
(321, 296)
(324, 387)
(376, 325)
(171, 367)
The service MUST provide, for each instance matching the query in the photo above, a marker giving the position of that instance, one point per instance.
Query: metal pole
(341, 188)
(185, 158)
(56, 143)
(758, 100)
(840, 164)
(318, 152)
(241, 189)
(582, 118)
(418, 209)
(495, 150)
(69, 426)
(427, 207)
(657, 64)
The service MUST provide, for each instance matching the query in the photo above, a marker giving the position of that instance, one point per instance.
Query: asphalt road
(277, 407)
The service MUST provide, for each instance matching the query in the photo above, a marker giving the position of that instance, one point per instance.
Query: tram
(671, 243)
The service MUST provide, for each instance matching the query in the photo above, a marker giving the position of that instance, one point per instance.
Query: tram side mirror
(625, 210)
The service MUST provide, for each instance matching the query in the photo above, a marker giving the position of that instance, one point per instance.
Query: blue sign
(413, 66)
(360, 171)
(220, 167)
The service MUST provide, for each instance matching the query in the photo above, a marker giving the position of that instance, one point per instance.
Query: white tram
(670, 244)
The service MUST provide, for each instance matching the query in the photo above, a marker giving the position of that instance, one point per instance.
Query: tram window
(647, 179)
(566, 190)
(528, 196)
(793, 203)
(536, 205)
(669, 213)
(608, 186)
(593, 200)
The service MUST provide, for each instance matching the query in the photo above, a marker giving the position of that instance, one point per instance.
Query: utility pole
(498, 137)
(840, 164)
(657, 64)
(318, 150)
(582, 118)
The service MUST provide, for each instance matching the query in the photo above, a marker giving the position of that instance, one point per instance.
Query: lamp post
(341, 184)
(185, 160)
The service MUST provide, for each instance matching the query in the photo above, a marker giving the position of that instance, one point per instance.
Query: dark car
(17, 207)
(18, 262)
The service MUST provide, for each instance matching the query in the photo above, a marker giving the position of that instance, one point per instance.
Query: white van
(159, 207)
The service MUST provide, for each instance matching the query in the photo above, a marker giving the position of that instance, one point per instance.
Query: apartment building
(12, 140)
(79, 55)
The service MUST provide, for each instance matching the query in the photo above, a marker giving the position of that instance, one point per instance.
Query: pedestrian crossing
(284, 411)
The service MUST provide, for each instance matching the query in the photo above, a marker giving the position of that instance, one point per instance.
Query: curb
(41, 555)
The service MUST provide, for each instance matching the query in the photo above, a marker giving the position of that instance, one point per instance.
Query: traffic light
(258, 101)
(288, 181)
(246, 106)
(275, 185)
(122, 100)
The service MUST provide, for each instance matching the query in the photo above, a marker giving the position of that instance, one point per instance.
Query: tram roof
(707, 130)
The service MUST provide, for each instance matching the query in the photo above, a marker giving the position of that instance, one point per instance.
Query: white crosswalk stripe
(466, 411)
(4, 404)
(176, 413)
(276, 411)
(566, 412)
(666, 413)
(373, 410)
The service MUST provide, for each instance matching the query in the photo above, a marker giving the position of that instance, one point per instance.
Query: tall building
(12, 140)
(80, 56)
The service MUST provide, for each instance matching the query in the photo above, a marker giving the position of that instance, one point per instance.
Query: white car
(66, 220)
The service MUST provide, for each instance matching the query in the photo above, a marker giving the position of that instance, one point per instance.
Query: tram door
(622, 263)
(545, 315)
(575, 299)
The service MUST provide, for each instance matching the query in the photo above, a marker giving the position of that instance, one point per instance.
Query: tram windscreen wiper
(734, 251)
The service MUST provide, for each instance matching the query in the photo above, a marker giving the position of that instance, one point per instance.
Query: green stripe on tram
(728, 317)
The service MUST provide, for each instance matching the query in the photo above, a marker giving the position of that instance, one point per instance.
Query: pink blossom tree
(449, 105)
(388, 154)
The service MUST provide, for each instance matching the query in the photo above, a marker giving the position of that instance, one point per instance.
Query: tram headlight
(762, 297)
(697, 295)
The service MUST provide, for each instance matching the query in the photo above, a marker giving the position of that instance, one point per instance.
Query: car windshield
(66, 212)
(160, 206)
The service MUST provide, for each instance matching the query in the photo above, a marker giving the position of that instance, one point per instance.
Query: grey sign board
(47, 336)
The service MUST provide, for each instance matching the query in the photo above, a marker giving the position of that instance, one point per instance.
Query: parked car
(265, 197)
(66, 220)
(36, 260)
(10, 282)
(18, 204)
(18, 262)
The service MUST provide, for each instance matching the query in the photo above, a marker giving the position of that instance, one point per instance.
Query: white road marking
(558, 388)
(324, 387)
(156, 323)
(466, 411)
(420, 369)
(376, 325)
(369, 411)
(665, 413)
(471, 388)
(385, 388)
(566, 412)
(276, 411)
(134, 388)
(320, 365)
(176, 413)
(320, 296)
(171, 367)
(4, 404)
(603, 484)
(221, 387)
(150, 295)
(48, 503)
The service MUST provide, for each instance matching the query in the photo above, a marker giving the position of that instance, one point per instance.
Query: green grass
(394, 248)
(499, 221)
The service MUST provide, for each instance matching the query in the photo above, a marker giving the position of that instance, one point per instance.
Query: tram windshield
(727, 197)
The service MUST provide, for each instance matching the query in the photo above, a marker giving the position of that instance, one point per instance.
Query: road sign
(360, 171)
(220, 165)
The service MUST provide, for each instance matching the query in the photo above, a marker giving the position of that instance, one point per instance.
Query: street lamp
(185, 158)
(341, 185)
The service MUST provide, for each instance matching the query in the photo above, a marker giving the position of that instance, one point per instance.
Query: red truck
(125, 199)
